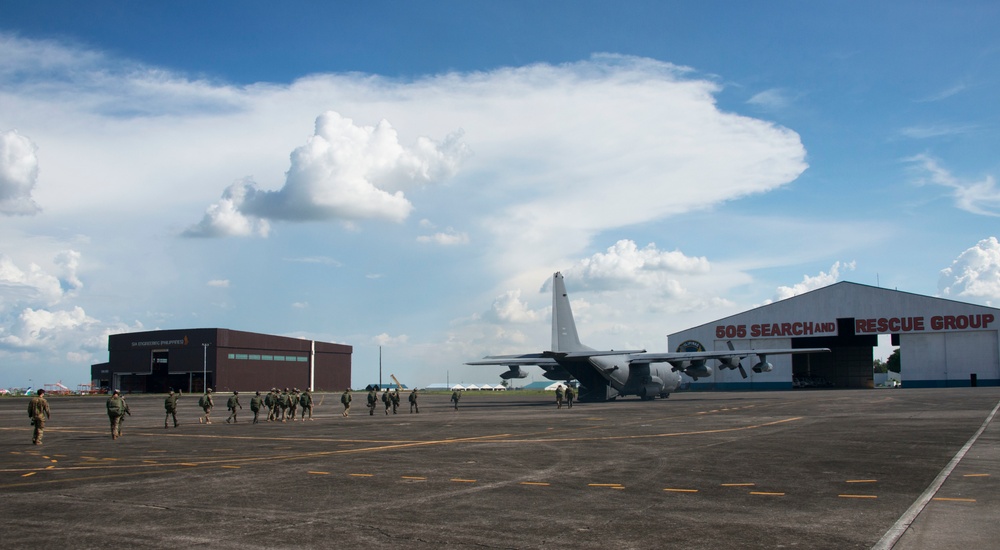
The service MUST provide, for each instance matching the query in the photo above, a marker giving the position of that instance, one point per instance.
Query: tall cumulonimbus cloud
(344, 172)
(18, 174)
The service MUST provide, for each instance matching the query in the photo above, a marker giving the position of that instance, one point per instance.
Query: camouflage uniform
(306, 400)
(559, 396)
(395, 400)
(206, 405)
(116, 410)
(231, 404)
(255, 404)
(293, 403)
(387, 400)
(345, 400)
(38, 411)
(271, 401)
(570, 394)
(372, 401)
(170, 404)
(455, 396)
(413, 401)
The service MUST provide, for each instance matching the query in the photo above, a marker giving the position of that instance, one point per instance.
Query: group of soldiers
(281, 406)
(390, 399)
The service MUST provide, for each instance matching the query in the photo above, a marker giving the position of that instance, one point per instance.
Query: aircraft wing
(671, 356)
(540, 359)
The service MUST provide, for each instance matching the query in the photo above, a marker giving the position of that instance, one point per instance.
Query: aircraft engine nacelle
(514, 372)
(698, 370)
(763, 366)
(651, 388)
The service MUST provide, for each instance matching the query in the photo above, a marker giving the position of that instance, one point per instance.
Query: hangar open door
(848, 365)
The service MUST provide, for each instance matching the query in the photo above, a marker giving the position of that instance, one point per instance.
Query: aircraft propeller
(739, 364)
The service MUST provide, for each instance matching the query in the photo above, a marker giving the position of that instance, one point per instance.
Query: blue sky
(409, 174)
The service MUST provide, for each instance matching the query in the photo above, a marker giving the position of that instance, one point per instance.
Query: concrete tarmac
(895, 468)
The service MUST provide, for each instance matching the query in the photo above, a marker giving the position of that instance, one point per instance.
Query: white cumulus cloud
(975, 274)
(624, 264)
(344, 172)
(812, 282)
(18, 174)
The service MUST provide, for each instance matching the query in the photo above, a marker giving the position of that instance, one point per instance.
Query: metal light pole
(204, 369)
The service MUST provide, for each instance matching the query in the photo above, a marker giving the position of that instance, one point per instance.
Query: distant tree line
(890, 364)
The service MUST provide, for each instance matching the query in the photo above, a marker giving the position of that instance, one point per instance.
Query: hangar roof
(853, 300)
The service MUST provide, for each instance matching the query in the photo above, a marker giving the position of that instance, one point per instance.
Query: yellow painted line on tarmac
(417, 478)
(612, 485)
(29, 474)
(861, 481)
(49, 467)
(231, 466)
(109, 459)
(362, 475)
(319, 473)
(188, 464)
(857, 496)
(150, 461)
(460, 480)
(767, 494)
(620, 488)
(673, 490)
(535, 483)
(944, 499)
(976, 475)
(738, 484)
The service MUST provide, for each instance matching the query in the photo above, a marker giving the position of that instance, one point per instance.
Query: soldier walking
(170, 404)
(345, 400)
(395, 400)
(38, 411)
(413, 401)
(387, 401)
(116, 410)
(255, 403)
(306, 401)
(231, 404)
(372, 401)
(559, 396)
(271, 401)
(206, 405)
(455, 396)
(293, 403)
(570, 394)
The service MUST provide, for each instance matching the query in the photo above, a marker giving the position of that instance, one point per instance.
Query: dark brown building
(230, 360)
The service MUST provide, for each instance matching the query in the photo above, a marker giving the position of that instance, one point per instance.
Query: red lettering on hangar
(771, 330)
(918, 324)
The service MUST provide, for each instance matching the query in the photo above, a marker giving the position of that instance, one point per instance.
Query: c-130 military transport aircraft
(605, 375)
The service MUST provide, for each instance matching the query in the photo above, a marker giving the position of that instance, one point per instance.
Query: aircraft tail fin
(564, 336)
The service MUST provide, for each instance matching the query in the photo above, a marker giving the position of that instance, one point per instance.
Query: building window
(302, 359)
(254, 357)
(267, 358)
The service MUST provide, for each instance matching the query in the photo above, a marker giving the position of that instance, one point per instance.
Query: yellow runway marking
(418, 478)
(976, 475)
(612, 485)
(954, 499)
(538, 483)
(671, 490)
(29, 474)
(459, 480)
(319, 473)
(231, 466)
(861, 481)
(738, 484)
(362, 475)
(857, 496)
(189, 464)
(763, 493)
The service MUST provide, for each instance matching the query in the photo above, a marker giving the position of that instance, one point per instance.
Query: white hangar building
(943, 343)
